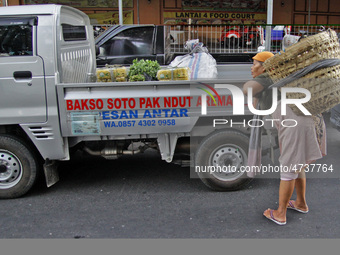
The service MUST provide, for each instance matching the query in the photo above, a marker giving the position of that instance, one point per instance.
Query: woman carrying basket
(299, 145)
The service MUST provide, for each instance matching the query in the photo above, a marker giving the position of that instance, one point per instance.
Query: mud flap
(51, 172)
(167, 144)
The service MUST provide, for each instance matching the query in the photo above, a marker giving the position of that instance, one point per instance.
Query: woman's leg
(300, 187)
(285, 193)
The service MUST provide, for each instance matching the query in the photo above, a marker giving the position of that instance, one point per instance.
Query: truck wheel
(18, 167)
(219, 158)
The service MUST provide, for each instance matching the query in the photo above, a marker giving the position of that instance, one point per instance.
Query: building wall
(149, 12)
(13, 2)
(322, 12)
(283, 11)
(152, 11)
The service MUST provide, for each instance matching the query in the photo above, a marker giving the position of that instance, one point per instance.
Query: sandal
(291, 206)
(272, 218)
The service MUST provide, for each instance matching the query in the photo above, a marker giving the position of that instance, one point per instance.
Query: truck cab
(40, 46)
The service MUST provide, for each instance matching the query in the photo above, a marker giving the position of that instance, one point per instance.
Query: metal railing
(236, 38)
(241, 38)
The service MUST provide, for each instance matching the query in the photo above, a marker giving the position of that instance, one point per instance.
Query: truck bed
(136, 108)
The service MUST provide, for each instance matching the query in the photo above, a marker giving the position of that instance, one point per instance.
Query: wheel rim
(10, 170)
(227, 161)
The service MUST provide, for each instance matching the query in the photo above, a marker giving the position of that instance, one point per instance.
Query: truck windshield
(16, 37)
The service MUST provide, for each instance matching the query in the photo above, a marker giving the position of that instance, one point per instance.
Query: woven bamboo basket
(323, 84)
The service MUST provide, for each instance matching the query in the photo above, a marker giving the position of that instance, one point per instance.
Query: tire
(224, 150)
(18, 167)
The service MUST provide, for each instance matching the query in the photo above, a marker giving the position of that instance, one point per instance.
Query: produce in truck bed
(111, 73)
(120, 74)
(168, 74)
(137, 77)
(104, 75)
(164, 75)
(120, 79)
(181, 73)
(148, 68)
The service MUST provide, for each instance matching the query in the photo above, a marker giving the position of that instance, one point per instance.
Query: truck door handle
(22, 75)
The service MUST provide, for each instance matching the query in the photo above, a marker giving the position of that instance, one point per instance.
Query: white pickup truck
(50, 104)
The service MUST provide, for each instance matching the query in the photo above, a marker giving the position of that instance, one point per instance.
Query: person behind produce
(299, 145)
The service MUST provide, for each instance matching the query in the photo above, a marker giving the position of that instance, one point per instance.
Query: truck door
(22, 83)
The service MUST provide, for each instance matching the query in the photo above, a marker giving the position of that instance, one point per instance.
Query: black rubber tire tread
(203, 153)
(29, 163)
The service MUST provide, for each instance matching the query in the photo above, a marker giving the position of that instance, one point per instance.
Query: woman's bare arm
(257, 87)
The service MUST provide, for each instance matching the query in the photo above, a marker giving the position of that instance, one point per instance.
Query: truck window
(15, 40)
(132, 41)
(73, 33)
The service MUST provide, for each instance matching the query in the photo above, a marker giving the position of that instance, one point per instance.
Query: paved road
(145, 197)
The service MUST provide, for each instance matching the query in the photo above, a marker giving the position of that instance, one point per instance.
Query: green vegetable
(143, 67)
(137, 77)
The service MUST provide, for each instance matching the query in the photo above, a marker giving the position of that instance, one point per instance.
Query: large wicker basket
(323, 84)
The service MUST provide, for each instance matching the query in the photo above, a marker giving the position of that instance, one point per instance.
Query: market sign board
(212, 17)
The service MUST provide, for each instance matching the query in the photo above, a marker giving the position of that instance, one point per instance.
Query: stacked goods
(104, 74)
(164, 74)
(119, 74)
(168, 74)
(320, 51)
(111, 73)
(140, 70)
(181, 73)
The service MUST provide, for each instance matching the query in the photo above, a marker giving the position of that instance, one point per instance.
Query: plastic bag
(175, 74)
(112, 73)
(199, 61)
(104, 74)
(289, 40)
